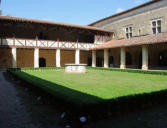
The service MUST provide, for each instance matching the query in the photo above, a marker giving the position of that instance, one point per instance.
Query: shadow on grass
(88, 104)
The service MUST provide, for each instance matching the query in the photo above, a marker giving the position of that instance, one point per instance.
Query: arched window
(128, 58)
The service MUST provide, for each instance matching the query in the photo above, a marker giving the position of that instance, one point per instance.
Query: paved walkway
(12, 113)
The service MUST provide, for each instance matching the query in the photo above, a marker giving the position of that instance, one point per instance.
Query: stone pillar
(144, 57)
(36, 58)
(93, 58)
(14, 58)
(58, 58)
(77, 56)
(106, 58)
(123, 59)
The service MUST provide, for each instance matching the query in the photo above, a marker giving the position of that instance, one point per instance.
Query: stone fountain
(75, 68)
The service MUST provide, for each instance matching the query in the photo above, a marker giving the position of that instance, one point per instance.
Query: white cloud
(119, 10)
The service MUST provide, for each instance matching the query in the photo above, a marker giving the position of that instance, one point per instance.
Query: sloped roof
(11, 18)
(135, 41)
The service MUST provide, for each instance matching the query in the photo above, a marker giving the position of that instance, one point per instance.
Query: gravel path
(12, 113)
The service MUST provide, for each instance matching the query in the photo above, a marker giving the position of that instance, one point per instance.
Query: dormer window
(156, 26)
(128, 32)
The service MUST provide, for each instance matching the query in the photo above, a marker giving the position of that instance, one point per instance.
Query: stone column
(77, 56)
(106, 58)
(123, 59)
(36, 58)
(14, 58)
(93, 58)
(144, 57)
(58, 58)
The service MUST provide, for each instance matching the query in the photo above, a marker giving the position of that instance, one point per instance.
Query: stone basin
(75, 68)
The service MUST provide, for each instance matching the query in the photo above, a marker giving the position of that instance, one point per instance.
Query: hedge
(154, 72)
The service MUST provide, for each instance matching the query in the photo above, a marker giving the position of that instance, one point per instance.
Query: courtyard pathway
(12, 113)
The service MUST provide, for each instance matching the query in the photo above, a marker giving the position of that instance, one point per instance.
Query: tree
(0, 12)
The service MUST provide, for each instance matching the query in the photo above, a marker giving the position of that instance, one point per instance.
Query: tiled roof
(11, 18)
(135, 41)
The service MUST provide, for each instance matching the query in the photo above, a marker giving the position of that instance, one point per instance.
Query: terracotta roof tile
(135, 41)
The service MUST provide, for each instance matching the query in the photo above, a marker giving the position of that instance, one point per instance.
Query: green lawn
(96, 85)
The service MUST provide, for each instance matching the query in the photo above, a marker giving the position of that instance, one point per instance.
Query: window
(128, 32)
(156, 26)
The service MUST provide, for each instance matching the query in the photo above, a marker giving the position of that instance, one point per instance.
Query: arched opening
(163, 58)
(128, 58)
(111, 61)
(42, 62)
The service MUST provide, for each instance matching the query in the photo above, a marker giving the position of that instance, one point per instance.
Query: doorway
(42, 62)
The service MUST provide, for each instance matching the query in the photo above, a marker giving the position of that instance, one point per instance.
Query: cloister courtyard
(100, 95)
(111, 73)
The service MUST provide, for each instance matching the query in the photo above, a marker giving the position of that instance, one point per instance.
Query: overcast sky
(80, 12)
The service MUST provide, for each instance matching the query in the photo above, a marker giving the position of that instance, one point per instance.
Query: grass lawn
(96, 85)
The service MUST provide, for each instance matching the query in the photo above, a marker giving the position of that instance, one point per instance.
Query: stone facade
(140, 20)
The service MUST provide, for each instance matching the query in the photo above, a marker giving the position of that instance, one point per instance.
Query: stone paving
(12, 113)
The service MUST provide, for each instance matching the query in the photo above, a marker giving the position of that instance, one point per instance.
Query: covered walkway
(145, 52)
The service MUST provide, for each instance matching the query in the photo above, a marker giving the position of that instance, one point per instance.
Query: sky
(80, 12)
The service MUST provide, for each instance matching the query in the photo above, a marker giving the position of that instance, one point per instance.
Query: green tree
(0, 12)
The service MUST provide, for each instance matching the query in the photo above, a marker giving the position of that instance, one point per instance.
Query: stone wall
(139, 20)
